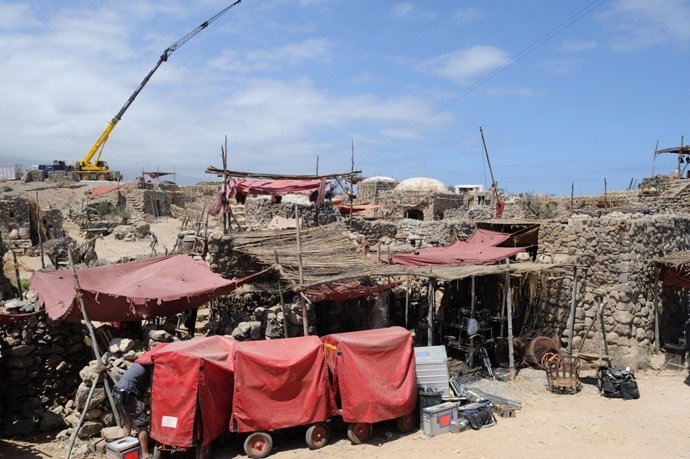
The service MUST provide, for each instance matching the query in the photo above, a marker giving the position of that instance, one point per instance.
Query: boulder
(89, 429)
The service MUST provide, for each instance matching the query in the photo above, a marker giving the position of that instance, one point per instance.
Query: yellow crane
(98, 169)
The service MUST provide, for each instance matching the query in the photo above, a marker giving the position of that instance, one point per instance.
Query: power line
(524, 52)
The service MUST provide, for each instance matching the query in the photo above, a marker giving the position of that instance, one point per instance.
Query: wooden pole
(571, 317)
(40, 236)
(657, 300)
(491, 171)
(317, 164)
(509, 304)
(92, 334)
(303, 304)
(224, 156)
(430, 315)
(352, 183)
(407, 299)
(16, 273)
(282, 302)
(572, 195)
(606, 202)
(656, 148)
(75, 432)
(472, 299)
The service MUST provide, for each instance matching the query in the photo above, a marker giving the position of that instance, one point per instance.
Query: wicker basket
(563, 374)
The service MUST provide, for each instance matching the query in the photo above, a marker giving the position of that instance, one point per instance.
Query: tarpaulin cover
(487, 237)
(100, 191)
(372, 373)
(675, 277)
(13, 319)
(157, 286)
(277, 187)
(191, 391)
(479, 249)
(279, 383)
(340, 291)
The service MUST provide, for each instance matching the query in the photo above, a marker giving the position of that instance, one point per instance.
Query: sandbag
(617, 383)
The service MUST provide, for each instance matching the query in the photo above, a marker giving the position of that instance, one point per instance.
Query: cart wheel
(258, 444)
(101, 177)
(359, 432)
(157, 452)
(203, 452)
(317, 435)
(405, 423)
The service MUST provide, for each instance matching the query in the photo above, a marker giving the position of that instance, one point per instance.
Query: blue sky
(562, 96)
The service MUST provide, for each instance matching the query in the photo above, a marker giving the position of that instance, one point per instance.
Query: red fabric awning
(157, 286)
(675, 277)
(277, 187)
(100, 191)
(479, 249)
(341, 291)
(13, 319)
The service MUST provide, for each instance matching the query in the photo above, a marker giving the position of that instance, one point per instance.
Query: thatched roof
(330, 253)
(674, 260)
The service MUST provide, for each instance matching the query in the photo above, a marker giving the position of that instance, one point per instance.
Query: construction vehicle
(99, 169)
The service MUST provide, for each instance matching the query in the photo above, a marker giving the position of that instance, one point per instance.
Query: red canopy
(373, 373)
(675, 277)
(191, 391)
(279, 383)
(341, 291)
(158, 286)
(479, 249)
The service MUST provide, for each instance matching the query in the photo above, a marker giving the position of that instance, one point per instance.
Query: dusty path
(565, 426)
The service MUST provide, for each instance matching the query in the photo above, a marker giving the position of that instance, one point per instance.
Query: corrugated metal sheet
(10, 171)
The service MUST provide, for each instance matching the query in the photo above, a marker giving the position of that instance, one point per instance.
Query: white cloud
(463, 65)
(578, 45)
(408, 10)
(467, 15)
(271, 59)
(15, 16)
(640, 24)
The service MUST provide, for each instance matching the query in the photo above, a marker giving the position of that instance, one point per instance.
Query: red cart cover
(279, 383)
(191, 392)
(372, 373)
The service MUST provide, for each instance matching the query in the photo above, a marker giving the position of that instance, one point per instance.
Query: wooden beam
(220, 172)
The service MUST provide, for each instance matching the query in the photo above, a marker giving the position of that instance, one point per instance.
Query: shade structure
(137, 290)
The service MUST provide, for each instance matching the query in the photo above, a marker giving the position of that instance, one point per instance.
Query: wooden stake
(572, 195)
(305, 320)
(352, 183)
(40, 236)
(571, 317)
(509, 304)
(430, 315)
(472, 300)
(282, 302)
(92, 334)
(16, 273)
(407, 299)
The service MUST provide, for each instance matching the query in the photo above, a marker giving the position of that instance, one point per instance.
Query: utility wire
(534, 45)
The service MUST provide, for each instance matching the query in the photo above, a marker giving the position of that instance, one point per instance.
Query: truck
(88, 168)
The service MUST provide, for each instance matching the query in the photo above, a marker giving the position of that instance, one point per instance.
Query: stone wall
(40, 367)
(370, 191)
(615, 252)
(259, 210)
(15, 214)
(427, 205)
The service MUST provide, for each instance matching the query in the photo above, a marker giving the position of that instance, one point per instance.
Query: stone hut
(419, 198)
(614, 256)
(369, 189)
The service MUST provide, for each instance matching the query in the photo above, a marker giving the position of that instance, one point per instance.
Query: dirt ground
(549, 425)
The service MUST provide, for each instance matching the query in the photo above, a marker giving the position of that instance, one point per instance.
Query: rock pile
(268, 323)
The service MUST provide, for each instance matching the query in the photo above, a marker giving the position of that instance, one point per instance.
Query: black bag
(617, 383)
(478, 415)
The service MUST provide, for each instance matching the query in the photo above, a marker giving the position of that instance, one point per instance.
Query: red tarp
(487, 237)
(191, 391)
(14, 319)
(277, 187)
(373, 373)
(157, 286)
(479, 249)
(100, 191)
(341, 291)
(675, 277)
(279, 383)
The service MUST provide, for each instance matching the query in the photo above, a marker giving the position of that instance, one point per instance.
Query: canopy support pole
(282, 302)
(407, 299)
(430, 316)
(303, 304)
(571, 317)
(94, 343)
(472, 299)
(657, 300)
(509, 305)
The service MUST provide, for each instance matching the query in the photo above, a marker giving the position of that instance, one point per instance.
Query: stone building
(369, 189)
(614, 256)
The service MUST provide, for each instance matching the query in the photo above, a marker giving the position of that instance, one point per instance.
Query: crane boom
(85, 163)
